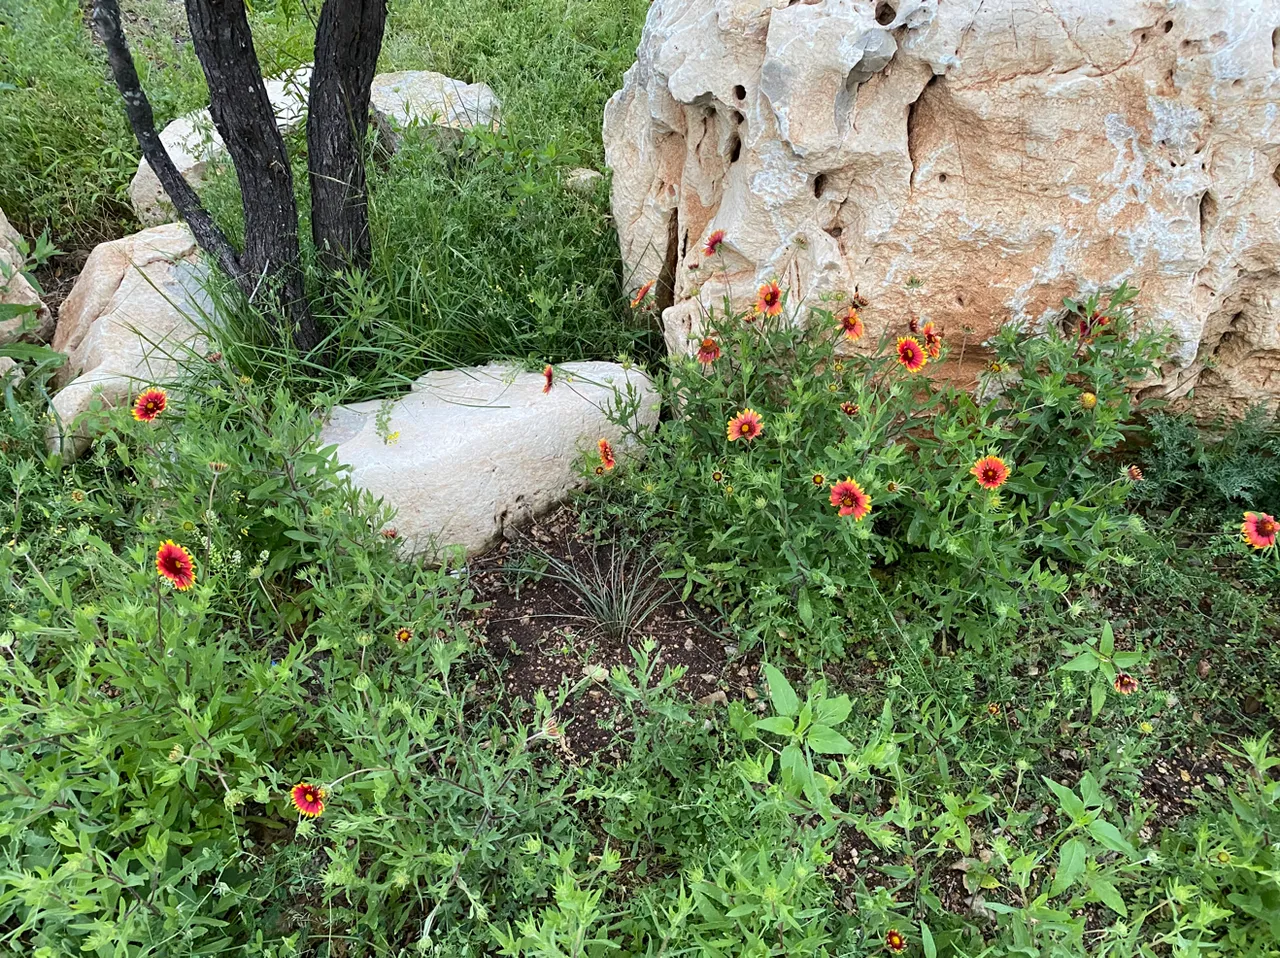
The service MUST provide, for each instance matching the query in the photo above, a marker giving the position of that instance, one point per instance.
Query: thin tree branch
(106, 20)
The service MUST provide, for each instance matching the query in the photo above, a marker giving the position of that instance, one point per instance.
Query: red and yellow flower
(708, 351)
(895, 941)
(175, 564)
(849, 408)
(769, 299)
(819, 479)
(850, 499)
(404, 634)
(713, 243)
(308, 799)
(1259, 530)
(911, 355)
(641, 293)
(149, 404)
(851, 324)
(1125, 683)
(992, 472)
(932, 339)
(606, 454)
(1133, 473)
(745, 425)
(547, 374)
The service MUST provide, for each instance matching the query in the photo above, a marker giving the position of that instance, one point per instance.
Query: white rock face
(194, 144)
(35, 325)
(1005, 153)
(431, 100)
(484, 448)
(126, 324)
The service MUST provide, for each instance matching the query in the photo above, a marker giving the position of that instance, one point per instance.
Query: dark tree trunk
(242, 113)
(348, 39)
(106, 19)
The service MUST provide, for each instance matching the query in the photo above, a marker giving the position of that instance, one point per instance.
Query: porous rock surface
(129, 322)
(470, 452)
(971, 162)
(35, 322)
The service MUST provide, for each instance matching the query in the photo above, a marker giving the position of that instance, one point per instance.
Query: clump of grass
(617, 594)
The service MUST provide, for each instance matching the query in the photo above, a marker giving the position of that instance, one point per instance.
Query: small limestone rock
(10, 371)
(433, 101)
(34, 325)
(718, 697)
(583, 180)
(194, 145)
(126, 324)
(483, 448)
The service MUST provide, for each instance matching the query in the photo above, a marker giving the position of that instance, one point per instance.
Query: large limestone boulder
(432, 101)
(34, 322)
(1004, 153)
(470, 452)
(129, 322)
(194, 144)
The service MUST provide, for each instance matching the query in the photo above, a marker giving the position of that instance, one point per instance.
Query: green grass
(479, 255)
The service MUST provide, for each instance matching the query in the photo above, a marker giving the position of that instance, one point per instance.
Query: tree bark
(242, 113)
(106, 20)
(348, 39)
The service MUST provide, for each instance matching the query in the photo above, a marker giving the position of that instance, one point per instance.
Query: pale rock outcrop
(432, 101)
(1003, 153)
(470, 452)
(35, 322)
(194, 145)
(583, 180)
(129, 322)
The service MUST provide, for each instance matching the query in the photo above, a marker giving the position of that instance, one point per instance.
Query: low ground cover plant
(810, 486)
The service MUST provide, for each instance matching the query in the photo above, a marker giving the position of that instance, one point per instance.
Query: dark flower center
(1266, 527)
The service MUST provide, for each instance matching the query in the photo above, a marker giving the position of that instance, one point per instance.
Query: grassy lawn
(847, 664)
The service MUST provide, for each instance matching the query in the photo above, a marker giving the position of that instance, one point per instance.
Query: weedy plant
(806, 481)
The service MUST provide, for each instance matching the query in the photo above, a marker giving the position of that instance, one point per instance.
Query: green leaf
(1108, 835)
(777, 724)
(1084, 662)
(1097, 697)
(1107, 893)
(805, 608)
(828, 741)
(832, 711)
(926, 942)
(1108, 643)
(1071, 859)
(781, 694)
(1069, 801)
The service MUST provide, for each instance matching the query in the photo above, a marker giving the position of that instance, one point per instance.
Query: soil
(539, 629)
(58, 275)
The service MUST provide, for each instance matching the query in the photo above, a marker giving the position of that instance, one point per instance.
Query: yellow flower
(1088, 400)
(393, 438)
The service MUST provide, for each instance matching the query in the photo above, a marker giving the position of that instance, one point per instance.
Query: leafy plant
(753, 522)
